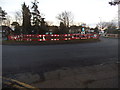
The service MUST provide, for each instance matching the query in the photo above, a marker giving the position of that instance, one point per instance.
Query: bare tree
(18, 17)
(102, 25)
(8, 20)
(49, 23)
(66, 18)
(106, 25)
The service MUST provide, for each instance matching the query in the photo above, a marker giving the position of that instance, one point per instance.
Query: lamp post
(114, 3)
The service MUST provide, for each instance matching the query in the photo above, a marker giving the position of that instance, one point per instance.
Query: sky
(87, 11)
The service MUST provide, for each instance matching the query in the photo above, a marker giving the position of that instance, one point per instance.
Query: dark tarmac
(36, 59)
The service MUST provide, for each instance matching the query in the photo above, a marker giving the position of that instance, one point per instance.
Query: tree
(66, 18)
(111, 27)
(5, 19)
(102, 25)
(107, 26)
(36, 17)
(18, 17)
(40, 26)
(26, 19)
(62, 29)
(17, 29)
(35, 14)
(96, 29)
(43, 27)
(49, 23)
(2, 15)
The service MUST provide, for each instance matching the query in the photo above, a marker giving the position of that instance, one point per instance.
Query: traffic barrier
(52, 37)
(112, 35)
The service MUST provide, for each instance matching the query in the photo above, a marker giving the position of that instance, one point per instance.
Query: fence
(113, 35)
(52, 37)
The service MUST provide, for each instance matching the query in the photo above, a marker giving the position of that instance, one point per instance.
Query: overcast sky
(87, 11)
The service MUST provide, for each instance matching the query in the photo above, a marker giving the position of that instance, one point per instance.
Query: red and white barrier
(53, 37)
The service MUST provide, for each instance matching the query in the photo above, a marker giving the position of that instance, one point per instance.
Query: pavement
(97, 76)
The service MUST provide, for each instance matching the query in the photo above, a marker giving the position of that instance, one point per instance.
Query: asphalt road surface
(42, 58)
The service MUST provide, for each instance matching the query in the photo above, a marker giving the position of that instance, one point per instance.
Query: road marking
(17, 84)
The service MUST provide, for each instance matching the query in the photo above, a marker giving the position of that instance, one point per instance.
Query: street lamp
(113, 3)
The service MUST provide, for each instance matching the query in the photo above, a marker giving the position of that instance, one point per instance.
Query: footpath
(98, 76)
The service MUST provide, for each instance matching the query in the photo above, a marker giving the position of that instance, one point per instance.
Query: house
(5, 31)
(75, 29)
(53, 29)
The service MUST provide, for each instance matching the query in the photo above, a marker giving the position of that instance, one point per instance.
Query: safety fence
(51, 37)
(113, 35)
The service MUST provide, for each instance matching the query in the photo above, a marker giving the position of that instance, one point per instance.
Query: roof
(3, 28)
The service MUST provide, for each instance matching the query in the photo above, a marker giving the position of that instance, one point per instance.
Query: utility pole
(114, 3)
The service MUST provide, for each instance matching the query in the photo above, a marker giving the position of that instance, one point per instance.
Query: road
(42, 58)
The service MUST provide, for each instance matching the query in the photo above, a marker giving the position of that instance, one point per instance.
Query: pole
(119, 16)
(116, 2)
